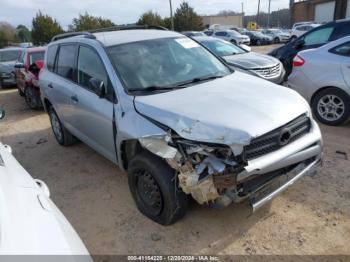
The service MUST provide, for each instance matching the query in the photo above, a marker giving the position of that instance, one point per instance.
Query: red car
(27, 75)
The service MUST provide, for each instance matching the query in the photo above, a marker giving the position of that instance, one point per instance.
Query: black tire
(153, 185)
(65, 138)
(233, 41)
(31, 99)
(276, 40)
(258, 42)
(323, 110)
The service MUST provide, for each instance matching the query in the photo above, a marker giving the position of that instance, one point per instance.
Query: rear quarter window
(343, 50)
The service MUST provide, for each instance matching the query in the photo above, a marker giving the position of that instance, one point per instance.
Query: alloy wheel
(331, 107)
(56, 127)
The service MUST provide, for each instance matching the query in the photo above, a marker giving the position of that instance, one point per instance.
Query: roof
(12, 49)
(126, 36)
(206, 38)
(35, 49)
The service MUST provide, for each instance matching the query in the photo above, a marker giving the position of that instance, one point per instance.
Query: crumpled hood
(7, 67)
(251, 60)
(230, 110)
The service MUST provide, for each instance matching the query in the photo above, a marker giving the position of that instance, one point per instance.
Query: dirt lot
(312, 217)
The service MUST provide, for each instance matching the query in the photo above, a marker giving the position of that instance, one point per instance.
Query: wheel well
(129, 149)
(47, 104)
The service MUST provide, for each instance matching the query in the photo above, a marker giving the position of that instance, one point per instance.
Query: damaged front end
(206, 171)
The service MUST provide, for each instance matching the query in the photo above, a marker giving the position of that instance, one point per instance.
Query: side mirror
(19, 65)
(299, 43)
(2, 113)
(246, 48)
(98, 87)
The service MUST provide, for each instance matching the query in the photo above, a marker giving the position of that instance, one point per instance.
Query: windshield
(222, 48)
(33, 57)
(8, 56)
(233, 32)
(163, 62)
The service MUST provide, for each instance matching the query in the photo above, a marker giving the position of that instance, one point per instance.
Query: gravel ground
(312, 217)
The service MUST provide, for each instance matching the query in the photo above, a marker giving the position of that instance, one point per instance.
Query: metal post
(257, 16)
(171, 16)
(243, 14)
(268, 17)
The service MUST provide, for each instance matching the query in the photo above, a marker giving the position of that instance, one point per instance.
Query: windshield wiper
(154, 88)
(200, 79)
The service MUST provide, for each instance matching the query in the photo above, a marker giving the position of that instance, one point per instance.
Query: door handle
(75, 98)
(50, 85)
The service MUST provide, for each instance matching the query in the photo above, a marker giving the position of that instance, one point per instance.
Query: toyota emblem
(284, 137)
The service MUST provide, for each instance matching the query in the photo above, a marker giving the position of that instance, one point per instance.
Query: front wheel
(233, 41)
(331, 106)
(153, 185)
(277, 40)
(258, 42)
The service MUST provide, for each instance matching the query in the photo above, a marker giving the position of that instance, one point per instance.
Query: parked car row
(20, 67)
(156, 102)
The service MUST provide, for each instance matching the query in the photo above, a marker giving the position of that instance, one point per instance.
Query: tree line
(44, 27)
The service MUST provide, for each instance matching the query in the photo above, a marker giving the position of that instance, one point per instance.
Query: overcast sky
(119, 11)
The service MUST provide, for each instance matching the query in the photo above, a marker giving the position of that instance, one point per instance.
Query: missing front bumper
(265, 194)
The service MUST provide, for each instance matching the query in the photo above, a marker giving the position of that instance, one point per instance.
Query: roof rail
(127, 27)
(71, 34)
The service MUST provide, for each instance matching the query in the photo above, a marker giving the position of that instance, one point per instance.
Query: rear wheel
(153, 185)
(277, 40)
(32, 100)
(258, 42)
(331, 106)
(62, 135)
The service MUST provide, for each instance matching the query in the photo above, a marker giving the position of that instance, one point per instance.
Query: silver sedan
(240, 59)
(322, 77)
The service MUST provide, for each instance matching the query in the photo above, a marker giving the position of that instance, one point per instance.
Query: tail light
(298, 61)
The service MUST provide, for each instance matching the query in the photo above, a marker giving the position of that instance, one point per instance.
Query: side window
(341, 30)
(343, 49)
(221, 33)
(90, 66)
(51, 56)
(318, 37)
(66, 61)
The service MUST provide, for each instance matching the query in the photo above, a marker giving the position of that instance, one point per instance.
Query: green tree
(87, 22)
(44, 28)
(150, 18)
(7, 34)
(23, 34)
(186, 19)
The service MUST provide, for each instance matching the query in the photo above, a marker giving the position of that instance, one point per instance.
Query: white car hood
(30, 223)
(230, 110)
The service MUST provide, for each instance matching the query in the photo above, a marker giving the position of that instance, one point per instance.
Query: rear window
(343, 49)
(66, 61)
(51, 55)
(8, 56)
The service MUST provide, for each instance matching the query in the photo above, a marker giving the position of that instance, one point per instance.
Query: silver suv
(177, 119)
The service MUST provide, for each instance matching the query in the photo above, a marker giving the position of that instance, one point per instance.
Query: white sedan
(322, 77)
(30, 222)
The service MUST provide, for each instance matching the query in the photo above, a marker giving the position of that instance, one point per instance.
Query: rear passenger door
(92, 115)
(60, 84)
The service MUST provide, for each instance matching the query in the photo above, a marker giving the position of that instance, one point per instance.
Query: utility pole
(257, 16)
(171, 16)
(242, 14)
(268, 17)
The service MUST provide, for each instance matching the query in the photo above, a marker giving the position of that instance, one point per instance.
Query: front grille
(268, 72)
(271, 141)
